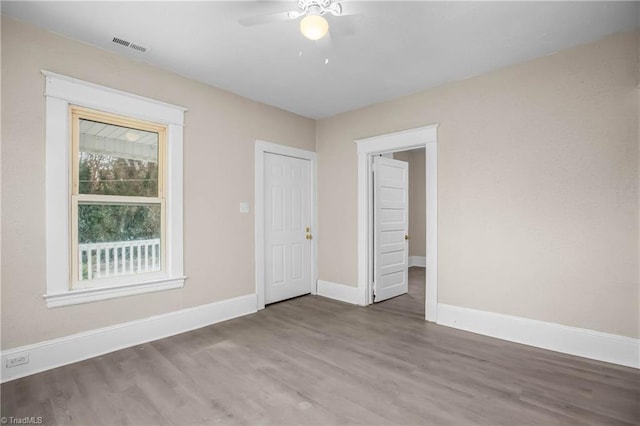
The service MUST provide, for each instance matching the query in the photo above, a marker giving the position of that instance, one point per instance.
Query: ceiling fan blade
(348, 8)
(266, 19)
(335, 9)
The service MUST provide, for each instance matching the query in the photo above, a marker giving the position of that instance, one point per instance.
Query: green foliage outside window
(108, 175)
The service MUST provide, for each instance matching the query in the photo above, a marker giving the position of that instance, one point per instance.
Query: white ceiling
(391, 49)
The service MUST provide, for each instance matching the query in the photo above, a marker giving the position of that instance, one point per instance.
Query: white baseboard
(341, 292)
(556, 337)
(69, 349)
(418, 261)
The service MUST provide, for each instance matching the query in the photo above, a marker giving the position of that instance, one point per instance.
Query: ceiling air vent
(130, 45)
(138, 47)
(121, 42)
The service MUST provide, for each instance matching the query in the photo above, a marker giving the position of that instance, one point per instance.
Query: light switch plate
(244, 207)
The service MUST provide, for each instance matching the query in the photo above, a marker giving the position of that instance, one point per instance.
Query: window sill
(76, 297)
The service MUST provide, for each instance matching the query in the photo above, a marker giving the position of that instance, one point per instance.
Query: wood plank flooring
(315, 361)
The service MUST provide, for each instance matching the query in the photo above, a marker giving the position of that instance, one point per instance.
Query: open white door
(287, 227)
(391, 225)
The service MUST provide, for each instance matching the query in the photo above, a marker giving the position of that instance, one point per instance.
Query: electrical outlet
(19, 360)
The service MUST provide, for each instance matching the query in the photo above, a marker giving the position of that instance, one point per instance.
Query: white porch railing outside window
(99, 260)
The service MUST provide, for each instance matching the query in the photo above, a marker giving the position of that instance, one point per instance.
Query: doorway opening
(400, 263)
(424, 137)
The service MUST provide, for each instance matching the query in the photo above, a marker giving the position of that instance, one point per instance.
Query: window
(117, 199)
(114, 218)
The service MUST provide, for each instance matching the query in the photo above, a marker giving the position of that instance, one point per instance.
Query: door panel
(391, 225)
(393, 258)
(277, 264)
(287, 183)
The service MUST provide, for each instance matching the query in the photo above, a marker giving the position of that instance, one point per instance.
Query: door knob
(406, 237)
(308, 236)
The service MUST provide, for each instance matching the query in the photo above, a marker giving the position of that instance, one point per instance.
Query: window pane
(116, 160)
(118, 240)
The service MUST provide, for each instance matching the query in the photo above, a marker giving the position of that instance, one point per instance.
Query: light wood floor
(315, 361)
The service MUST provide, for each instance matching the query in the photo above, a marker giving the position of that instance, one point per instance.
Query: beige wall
(417, 200)
(537, 186)
(219, 136)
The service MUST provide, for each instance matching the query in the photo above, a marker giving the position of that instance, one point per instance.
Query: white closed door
(391, 226)
(287, 183)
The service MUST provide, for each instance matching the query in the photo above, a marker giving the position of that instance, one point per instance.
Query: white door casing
(260, 151)
(287, 223)
(423, 137)
(391, 225)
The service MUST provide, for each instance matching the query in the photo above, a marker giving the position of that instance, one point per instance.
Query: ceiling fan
(313, 25)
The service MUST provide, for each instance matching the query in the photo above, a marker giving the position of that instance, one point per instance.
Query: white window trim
(62, 91)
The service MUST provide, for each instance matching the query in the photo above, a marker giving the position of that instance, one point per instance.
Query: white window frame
(78, 198)
(61, 92)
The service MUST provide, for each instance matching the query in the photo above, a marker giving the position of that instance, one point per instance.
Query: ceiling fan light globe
(314, 27)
